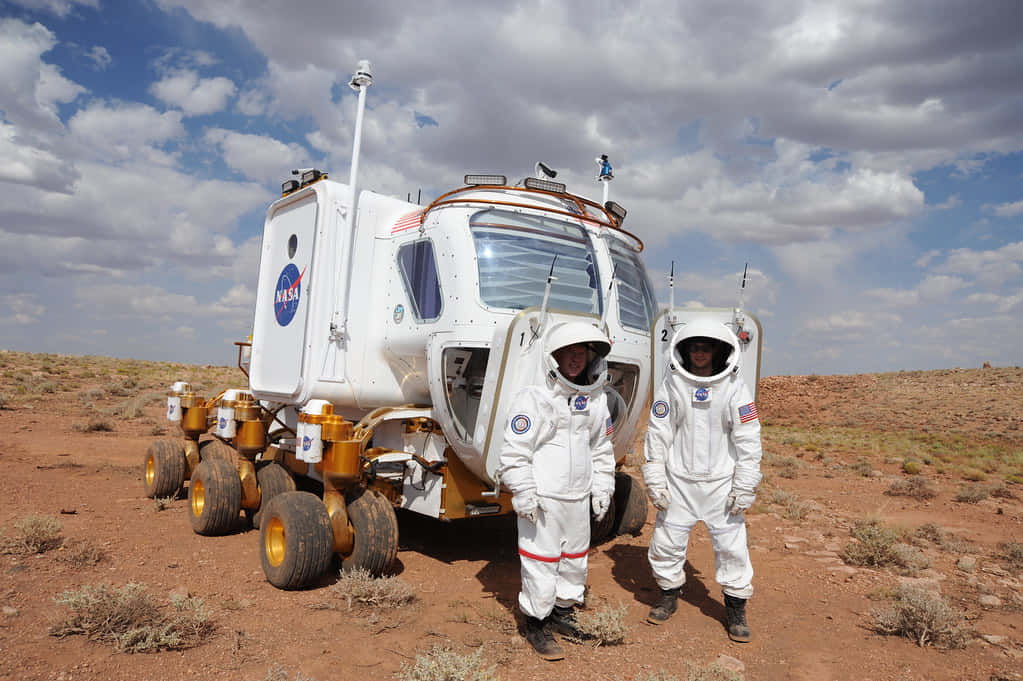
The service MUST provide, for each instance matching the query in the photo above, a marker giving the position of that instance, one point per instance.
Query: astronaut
(558, 463)
(703, 463)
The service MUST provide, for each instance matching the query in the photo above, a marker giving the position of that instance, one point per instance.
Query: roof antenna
(544, 171)
(738, 315)
(546, 297)
(605, 174)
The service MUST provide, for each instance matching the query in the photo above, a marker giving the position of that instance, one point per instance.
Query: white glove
(526, 504)
(659, 497)
(600, 503)
(739, 501)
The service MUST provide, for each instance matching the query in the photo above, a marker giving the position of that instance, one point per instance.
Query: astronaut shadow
(631, 571)
(695, 593)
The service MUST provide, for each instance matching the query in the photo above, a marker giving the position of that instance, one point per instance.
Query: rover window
(419, 274)
(464, 372)
(514, 254)
(636, 306)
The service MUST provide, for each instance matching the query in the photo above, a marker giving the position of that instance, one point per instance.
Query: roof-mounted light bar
(545, 185)
(615, 210)
(289, 186)
(477, 180)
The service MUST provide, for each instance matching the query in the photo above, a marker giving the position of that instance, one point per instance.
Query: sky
(865, 158)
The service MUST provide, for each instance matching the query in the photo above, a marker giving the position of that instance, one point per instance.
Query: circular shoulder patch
(520, 424)
(660, 409)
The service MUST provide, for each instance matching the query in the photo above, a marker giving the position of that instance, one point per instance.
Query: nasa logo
(307, 442)
(701, 394)
(580, 403)
(170, 410)
(223, 423)
(520, 424)
(660, 409)
(399, 313)
(287, 294)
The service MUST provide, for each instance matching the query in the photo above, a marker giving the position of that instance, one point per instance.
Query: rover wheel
(217, 449)
(630, 505)
(214, 497)
(599, 531)
(296, 539)
(273, 479)
(376, 533)
(163, 471)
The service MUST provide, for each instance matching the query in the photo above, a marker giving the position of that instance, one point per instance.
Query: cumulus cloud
(60, 8)
(258, 157)
(100, 57)
(195, 96)
(1005, 210)
(31, 89)
(124, 130)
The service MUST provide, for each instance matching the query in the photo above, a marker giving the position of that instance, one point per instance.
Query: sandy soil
(811, 615)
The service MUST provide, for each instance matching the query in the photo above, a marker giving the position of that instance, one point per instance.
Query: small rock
(789, 539)
(791, 546)
(9, 611)
(730, 663)
(967, 563)
(994, 639)
(989, 601)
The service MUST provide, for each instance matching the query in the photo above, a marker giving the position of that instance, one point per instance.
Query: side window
(419, 274)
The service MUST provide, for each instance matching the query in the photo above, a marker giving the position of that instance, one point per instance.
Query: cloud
(100, 57)
(195, 96)
(116, 131)
(258, 157)
(60, 8)
(1005, 210)
(23, 309)
(33, 166)
(31, 89)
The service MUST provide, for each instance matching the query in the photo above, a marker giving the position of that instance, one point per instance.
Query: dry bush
(134, 407)
(81, 553)
(4, 401)
(91, 395)
(911, 467)
(974, 475)
(95, 424)
(606, 625)
(1001, 491)
(1012, 552)
(163, 503)
(924, 618)
(863, 467)
(915, 487)
(873, 545)
(35, 534)
(971, 494)
(130, 619)
(359, 587)
(946, 541)
(277, 673)
(787, 467)
(442, 664)
(712, 672)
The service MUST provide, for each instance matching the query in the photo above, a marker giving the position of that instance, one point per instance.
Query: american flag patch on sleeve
(610, 429)
(747, 412)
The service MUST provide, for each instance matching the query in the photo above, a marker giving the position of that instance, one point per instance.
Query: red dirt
(810, 619)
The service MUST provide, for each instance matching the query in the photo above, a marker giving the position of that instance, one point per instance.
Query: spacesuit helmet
(726, 349)
(594, 371)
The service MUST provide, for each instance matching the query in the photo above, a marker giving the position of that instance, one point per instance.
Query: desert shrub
(95, 424)
(605, 624)
(163, 503)
(81, 553)
(863, 467)
(4, 401)
(974, 474)
(158, 430)
(909, 558)
(134, 407)
(873, 545)
(911, 466)
(787, 467)
(131, 620)
(923, 618)
(971, 494)
(277, 673)
(442, 664)
(946, 541)
(45, 387)
(1013, 553)
(359, 587)
(36, 533)
(91, 395)
(711, 672)
(1001, 491)
(915, 487)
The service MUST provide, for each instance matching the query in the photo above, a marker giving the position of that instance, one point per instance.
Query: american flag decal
(610, 429)
(407, 222)
(747, 412)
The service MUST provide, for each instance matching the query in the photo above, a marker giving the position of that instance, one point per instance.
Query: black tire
(273, 479)
(375, 526)
(218, 449)
(599, 531)
(163, 469)
(630, 505)
(214, 497)
(296, 539)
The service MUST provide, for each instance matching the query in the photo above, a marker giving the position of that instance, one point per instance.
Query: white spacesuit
(558, 463)
(703, 463)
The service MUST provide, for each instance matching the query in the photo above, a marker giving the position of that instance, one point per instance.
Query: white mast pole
(360, 82)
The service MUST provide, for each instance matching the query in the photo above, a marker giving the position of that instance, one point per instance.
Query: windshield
(514, 253)
(636, 304)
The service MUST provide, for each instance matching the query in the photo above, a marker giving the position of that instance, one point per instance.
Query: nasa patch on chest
(580, 402)
(701, 395)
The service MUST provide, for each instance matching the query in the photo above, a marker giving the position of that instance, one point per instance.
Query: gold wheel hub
(150, 470)
(274, 543)
(198, 497)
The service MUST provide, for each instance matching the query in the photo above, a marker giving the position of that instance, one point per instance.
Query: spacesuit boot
(664, 607)
(563, 622)
(542, 640)
(735, 613)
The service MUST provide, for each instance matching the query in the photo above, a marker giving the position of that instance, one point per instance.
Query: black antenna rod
(743, 274)
(614, 270)
(550, 274)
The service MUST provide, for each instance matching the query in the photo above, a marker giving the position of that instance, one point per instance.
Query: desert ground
(932, 460)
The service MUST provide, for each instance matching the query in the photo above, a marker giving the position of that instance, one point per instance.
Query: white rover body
(387, 340)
